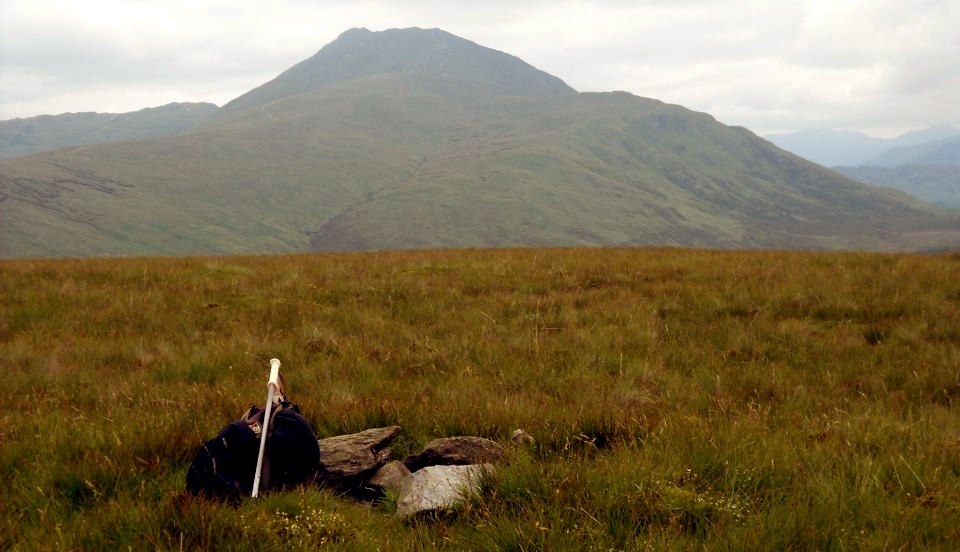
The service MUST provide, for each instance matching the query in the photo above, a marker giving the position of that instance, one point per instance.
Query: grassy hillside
(680, 399)
(616, 169)
(257, 182)
(19, 137)
(400, 161)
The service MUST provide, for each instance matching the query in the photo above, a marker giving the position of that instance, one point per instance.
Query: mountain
(417, 138)
(924, 136)
(939, 152)
(937, 184)
(615, 169)
(19, 137)
(472, 70)
(847, 148)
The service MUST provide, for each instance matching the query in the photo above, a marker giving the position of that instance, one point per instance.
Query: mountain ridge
(30, 135)
(945, 151)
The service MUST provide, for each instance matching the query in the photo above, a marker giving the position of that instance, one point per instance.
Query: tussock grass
(680, 399)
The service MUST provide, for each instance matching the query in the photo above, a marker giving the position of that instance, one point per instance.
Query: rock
(456, 451)
(439, 487)
(521, 437)
(389, 477)
(345, 459)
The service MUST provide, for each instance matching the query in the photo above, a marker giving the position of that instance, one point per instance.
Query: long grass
(680, 399)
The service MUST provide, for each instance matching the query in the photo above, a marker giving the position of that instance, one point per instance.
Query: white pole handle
(274, 373)
(272, 385)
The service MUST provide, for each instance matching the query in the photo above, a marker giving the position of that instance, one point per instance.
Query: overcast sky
(878, 66)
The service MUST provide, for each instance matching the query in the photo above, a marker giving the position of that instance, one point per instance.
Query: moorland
(680, 399)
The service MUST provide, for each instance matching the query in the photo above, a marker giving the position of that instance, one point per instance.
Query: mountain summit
(360, 53)
(417, 138)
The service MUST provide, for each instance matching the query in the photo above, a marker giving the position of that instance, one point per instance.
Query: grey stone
(456, 451)
(389, 477)
(345, 458)
(439, 487)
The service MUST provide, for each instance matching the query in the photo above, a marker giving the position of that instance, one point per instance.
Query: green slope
(19, 137)
(255, 182)
(421, 158)
(615, 169)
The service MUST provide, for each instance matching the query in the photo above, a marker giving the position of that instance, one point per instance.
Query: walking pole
(272, 386)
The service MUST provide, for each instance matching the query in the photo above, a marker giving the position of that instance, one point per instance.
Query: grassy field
(680, 399)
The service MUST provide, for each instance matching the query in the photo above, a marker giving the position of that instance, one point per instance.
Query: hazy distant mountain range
(924, 163)
(938, 184)
(944, 152)
(417, 138)
(832, 148)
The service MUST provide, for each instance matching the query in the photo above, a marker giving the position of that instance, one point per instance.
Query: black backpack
(224, 466)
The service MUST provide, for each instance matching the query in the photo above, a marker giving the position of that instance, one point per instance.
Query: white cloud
(767, 65)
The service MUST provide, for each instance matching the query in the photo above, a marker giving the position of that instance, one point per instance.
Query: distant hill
(924, 165)
(417, 138)
(847, 148)
(940, 152)
(19, 137)
(830, 147)
(938, 184)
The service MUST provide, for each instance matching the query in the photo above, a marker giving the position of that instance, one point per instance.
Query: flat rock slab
(439, 487)
(348, 457)
(456, 451)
